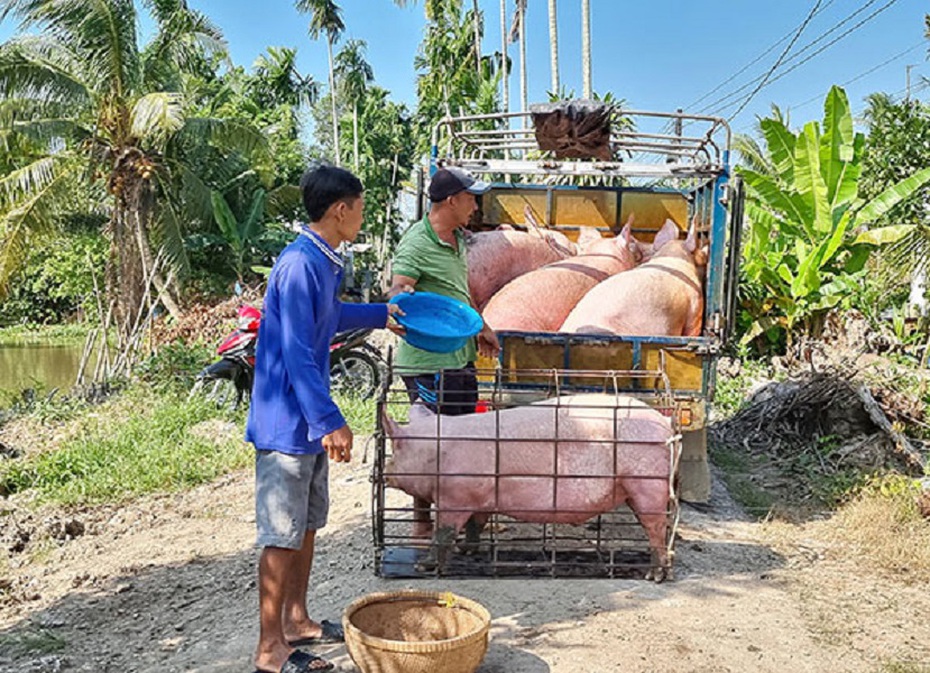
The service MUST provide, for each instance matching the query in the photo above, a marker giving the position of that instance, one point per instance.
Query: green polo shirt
(440, 268)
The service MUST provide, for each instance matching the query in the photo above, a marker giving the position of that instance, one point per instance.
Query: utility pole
(907, 81)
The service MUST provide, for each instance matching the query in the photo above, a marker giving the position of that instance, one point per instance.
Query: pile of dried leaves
(204, 321)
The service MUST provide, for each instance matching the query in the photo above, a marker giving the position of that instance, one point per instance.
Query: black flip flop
(332, 633)
(299, 662)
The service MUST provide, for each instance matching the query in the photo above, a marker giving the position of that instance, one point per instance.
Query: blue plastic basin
(437, 323)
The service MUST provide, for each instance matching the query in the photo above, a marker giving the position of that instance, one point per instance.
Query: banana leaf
(892, 196)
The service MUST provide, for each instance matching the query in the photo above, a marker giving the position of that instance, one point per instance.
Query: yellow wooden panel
(651, 210)
(585, 207)
(609, 355)
(506, 206)
(684, 368)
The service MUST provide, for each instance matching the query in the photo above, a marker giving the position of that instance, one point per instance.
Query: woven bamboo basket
(416, 632)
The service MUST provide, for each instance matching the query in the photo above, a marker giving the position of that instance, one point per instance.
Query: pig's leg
(422, 524)
(448, 525)
(473, 528)
(649, 501)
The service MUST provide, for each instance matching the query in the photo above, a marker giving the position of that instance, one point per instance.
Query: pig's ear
(391, 427)
(586, 237)
(626, 234)
(532, 224)
(701, 255)
(420, 410)
(668, 232)
(691, 240)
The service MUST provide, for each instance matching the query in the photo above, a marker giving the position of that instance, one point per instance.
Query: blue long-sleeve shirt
(291, 409)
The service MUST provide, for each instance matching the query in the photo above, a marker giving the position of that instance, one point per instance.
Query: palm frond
(156, 117)
(195, 194)
(29, 73)
(752, 154)
(229, 135)
(284, 201)
(46, 131)
(169, 237)
(103, 32)
(185, 40)
(18, 184)
(33, 214)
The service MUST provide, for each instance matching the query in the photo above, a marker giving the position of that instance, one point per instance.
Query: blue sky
(658, 55)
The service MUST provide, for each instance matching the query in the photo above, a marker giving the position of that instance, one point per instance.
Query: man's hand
(488, 345)
(338, 444)
(392, 324)
(400, 283)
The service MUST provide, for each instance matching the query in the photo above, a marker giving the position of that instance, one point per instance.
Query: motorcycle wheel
(355, 374)
(221, 392)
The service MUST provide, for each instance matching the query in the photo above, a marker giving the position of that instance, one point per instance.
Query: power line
(777, 62)
(864, 74)
(754, 61)
(826, 46)
(736, 92)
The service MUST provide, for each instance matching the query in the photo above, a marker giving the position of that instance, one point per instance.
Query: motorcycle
(355, 368)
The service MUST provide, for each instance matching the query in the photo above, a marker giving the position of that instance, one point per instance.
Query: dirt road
(168, 585)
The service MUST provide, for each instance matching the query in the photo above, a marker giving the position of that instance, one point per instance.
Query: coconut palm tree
(518, 32)
(355, 74)
(554, 45)
(504, 69)
(108, 111)
(275, 80)
(326, 17)
(586, 47)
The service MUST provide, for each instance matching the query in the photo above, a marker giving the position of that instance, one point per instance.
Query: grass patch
(882, 528)
(138, 444)
(32, 641)
(739, 473)
(904, 667)
(358, 412)
(64, 334)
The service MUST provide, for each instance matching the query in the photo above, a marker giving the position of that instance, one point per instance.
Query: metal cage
(611, 543)
(643, 145)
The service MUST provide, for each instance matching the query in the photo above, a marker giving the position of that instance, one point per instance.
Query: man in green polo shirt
(431, 257)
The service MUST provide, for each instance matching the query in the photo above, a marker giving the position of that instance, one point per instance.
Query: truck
(582, 164)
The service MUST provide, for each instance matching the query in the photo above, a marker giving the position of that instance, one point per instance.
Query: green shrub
(174, 366)
(141, 444)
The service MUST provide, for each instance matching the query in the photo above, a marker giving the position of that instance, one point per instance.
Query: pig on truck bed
(562, 460)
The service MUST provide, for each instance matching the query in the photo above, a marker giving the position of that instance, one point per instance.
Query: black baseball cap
(449, 181)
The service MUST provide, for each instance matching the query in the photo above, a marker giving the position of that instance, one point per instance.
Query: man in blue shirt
(293, 422)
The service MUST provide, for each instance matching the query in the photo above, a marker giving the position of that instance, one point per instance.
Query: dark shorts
(451, 391)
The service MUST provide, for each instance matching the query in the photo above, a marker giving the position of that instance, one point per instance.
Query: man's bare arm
(400, 284)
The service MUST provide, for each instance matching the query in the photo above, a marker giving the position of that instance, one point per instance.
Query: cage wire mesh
(529, 485)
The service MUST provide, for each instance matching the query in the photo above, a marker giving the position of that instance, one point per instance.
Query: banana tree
(239, 235)
(803, 211)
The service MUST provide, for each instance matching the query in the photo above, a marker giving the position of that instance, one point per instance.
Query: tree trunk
(332, 98)
(586, 47)
(521, 19)
(477, 26)
(355, 133)
(554, 46)
(505, 71)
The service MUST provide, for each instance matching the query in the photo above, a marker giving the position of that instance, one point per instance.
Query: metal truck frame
(676, 171)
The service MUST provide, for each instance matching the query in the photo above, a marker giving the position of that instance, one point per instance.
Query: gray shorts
(291, 497)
